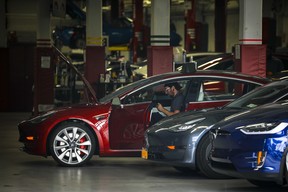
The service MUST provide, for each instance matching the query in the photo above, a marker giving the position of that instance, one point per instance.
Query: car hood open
(89, 91)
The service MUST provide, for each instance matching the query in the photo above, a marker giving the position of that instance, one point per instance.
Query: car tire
(202, 159)
(72, 144)
(286, 175)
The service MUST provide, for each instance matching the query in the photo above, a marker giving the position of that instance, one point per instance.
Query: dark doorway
(21, 61)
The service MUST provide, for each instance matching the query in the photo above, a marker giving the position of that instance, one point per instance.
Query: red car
(115, 125)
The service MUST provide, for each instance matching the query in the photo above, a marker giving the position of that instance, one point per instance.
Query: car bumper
(256, 158)
(31, 139)
(177, 150)
(227, 168)
(178, 157)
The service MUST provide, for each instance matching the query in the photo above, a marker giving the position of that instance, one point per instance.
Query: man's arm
(165, 111)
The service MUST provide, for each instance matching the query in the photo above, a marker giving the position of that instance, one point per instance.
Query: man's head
(172, 88)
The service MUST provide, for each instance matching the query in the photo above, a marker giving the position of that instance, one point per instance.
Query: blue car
(120, 31)
(253, 145)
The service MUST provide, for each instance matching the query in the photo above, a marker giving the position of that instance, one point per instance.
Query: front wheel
(202, 159)
(72, 144)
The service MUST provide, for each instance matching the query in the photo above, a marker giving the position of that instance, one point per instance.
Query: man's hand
(165, 111)
(160, 107)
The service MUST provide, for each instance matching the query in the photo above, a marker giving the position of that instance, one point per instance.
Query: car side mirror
(116, 102)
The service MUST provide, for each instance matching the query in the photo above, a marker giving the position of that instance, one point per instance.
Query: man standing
(177, 104)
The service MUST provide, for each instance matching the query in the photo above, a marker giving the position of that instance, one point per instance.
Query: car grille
(156, 152)
(224, 166)
(219, 132)
(152, 140)
(220, 153)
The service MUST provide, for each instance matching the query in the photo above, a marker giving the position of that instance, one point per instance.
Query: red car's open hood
(89, 91)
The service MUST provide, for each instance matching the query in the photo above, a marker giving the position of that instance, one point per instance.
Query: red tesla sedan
(115, 125)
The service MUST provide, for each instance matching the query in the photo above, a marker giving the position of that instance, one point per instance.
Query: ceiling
(178, 6)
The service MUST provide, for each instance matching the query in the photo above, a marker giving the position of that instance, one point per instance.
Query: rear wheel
(202, 159)
(72, 144)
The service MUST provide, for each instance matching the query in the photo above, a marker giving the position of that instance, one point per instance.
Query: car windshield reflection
(257, 97)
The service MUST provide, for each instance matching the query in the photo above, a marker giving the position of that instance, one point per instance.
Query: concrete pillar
(250, 22)
(250, 54)
(95, 49)
(160, 54)
(44, 68)
(160, 23)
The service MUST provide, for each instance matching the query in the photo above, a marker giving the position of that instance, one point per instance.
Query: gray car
(183, 141)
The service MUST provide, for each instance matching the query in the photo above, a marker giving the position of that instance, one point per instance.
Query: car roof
(177, 75)
(218, 73)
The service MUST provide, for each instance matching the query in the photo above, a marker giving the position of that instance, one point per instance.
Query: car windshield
(260, 96)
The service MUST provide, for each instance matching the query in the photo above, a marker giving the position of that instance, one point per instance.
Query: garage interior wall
(21, 31)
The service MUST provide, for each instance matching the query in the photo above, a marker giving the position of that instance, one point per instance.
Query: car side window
(142, 95)
(151, 93)
(221, 89)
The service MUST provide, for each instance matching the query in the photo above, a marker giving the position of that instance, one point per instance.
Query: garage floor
(22, 172)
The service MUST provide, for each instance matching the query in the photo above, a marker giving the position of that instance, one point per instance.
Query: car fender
(98, 123)
(196, 136)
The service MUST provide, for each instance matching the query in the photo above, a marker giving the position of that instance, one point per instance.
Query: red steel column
(44, 65)
(138, 27)
(190, 35)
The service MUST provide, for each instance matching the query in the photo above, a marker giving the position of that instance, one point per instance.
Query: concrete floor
(22, 172)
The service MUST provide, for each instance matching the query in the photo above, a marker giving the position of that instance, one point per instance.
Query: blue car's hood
(273, 112)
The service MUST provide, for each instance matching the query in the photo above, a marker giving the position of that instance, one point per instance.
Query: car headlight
(186, 126)
(263, 128)
(42, 117)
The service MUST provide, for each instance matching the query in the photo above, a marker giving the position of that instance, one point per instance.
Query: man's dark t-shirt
(178, 102)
